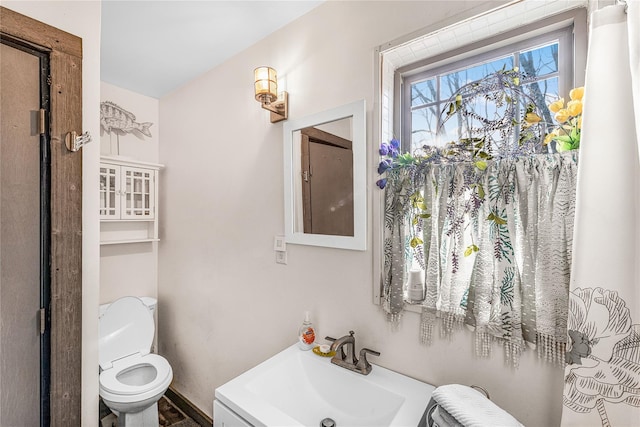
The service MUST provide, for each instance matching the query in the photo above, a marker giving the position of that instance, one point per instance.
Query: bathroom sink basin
(300, 388)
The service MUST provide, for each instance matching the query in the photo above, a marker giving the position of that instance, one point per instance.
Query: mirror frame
(356, 110)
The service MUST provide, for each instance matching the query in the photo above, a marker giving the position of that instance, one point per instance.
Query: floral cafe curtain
(499, 263)
(485, 236)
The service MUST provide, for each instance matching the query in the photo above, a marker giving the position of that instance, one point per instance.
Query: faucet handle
(364, 351)
(363, 364)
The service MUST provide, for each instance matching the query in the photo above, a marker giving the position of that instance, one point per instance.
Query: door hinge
(42, 122)
(43, 321)
(49, 80)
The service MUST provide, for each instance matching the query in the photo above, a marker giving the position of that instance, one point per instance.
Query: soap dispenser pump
(306, 333)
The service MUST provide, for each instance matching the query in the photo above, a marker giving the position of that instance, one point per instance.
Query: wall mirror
(325, 178)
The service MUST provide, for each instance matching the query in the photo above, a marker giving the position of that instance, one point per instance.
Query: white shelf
(128, 220)
(125, 161)
(123, 242)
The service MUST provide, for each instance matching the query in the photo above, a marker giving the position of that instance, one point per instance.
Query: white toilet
(131, 378)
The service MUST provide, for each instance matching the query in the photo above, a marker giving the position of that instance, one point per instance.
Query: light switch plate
(279, 244)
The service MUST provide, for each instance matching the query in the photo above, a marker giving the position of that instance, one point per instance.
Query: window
(546, 61)
(455, 234)
(454, 45)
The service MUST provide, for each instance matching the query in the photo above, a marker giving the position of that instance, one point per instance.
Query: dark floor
(168, 415)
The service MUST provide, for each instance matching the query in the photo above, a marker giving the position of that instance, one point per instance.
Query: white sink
(300, 388)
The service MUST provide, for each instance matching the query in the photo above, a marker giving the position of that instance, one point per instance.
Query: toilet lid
(125, 328)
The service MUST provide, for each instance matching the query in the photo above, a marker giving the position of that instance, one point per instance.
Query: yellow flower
(567, 133)
(562, 115)
(550, 136)
(554, 107)
(574, 107)
(577, 93)
(532, 118)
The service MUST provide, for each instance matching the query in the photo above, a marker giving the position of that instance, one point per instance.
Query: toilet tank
(151, 303)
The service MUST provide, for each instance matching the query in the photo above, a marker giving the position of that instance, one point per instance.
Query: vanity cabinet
(128, 201)
(225, 417)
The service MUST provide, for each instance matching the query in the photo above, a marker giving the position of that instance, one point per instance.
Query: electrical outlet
(281, 257)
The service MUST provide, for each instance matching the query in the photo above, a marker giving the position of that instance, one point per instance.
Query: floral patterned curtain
(491, 247)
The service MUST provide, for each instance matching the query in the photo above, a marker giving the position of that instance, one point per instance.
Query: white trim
(356, 110)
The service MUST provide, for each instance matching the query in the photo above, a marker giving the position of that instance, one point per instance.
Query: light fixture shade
(266, 84)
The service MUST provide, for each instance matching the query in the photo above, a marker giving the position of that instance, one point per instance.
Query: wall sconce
(266, 89)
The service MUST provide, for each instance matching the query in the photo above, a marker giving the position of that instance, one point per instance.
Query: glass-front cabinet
(128, 201)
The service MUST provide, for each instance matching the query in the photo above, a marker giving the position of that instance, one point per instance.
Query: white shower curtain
(602, 375)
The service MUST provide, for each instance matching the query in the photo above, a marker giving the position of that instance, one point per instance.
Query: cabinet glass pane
(103, 191)
(128, 203)
(108, 188)
(138, 193)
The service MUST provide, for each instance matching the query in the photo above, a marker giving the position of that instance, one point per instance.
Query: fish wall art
(114, 118)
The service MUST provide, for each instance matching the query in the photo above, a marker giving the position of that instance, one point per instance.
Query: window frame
(493, 49)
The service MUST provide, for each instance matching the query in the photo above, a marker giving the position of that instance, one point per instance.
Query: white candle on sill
(415, 285)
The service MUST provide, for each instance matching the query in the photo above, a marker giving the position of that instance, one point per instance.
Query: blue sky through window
(429, 95)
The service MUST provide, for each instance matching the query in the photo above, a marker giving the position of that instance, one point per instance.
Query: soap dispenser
(306, 333)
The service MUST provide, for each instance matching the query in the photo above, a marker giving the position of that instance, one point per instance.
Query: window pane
(423, 92)
(451, 131)
(543, 93)
(492, 108)
(452, 82)
(540, 61)
(537, 59)
(424, 123)
(489, 119)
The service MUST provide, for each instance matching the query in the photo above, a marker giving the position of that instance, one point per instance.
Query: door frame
(65, 311)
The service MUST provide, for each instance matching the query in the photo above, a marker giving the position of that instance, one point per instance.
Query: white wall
(225, 305)
(132, 145)
(82, 18)
(130, 269)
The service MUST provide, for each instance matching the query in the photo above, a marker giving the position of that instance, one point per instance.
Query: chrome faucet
(339, 345)
(345, 356)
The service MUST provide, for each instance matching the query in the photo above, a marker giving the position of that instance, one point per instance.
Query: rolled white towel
(443, 419)
(471, 408)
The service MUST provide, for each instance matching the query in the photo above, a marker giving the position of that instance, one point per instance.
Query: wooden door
(20, 245)
(327, 187)
(64, 114)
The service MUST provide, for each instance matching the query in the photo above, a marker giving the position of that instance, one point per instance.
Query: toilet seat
(110, 383)
(126, 332)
